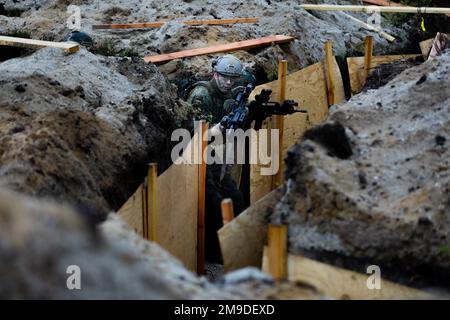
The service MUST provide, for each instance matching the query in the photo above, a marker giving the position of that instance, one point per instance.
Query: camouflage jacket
(208, 102)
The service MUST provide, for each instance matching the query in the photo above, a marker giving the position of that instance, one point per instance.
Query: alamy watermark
(74, 20)
(73, 281)
(228, 147)
(374, 281)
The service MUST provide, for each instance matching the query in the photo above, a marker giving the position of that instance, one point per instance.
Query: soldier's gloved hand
(236, 90)
(228, 105)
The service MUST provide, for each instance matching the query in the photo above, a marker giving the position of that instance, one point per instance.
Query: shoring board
(176, 204)
(70, 47)
(158, 24)
(227, 47)
(242, 240)
(307, 87)
(342, 283)
(356, 68)
(132, 211)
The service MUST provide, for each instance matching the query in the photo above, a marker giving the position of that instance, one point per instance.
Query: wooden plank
(227, 210)
(277, 238)
(356, 68)
(370, 9)
(152, 212)
(158, 24)
(177, 209)
(341, 283)
(228, 47)
(308, 88)
(132, 212)
(386, 3)
(242, 240)
(201, 199)
(369, 27)
(70, 47)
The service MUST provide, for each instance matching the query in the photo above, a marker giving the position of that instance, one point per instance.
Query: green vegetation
(108, 47)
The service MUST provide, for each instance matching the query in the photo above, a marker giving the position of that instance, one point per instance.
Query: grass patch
(109, 48)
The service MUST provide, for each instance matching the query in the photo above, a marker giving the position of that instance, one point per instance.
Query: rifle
(261, 108)
(257, 110)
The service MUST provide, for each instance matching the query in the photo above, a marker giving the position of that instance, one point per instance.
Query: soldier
(212, 101)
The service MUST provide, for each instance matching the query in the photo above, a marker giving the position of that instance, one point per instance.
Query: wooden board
(242, 240)
(158, 24)
(132, 212)
(308, 87)
(228, 47)
(382, 9)
(386, 3)
(176, 207)
(37, 44)
(356, 68)
(341, 283)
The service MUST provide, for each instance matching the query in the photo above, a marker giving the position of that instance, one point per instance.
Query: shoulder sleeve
(200, 101)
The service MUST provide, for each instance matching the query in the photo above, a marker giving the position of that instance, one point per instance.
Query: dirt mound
(48, 20)
(82, 128)
(385, 72)
(377, 190)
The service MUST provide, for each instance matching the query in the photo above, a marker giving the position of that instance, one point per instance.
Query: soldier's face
(224, 83)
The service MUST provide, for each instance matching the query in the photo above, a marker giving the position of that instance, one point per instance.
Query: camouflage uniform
(208, 101)
(211, 105)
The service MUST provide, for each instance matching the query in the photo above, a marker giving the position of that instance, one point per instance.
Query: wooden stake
(227, 210)
(371, 9)
(70, 47)
(368, 52)
(158, 24)
(151, 201)
(277, 179)
(201, 199)
(277, 238)
(228, 47)
(329, 71)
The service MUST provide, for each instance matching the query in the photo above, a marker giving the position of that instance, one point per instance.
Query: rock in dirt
(81, 128)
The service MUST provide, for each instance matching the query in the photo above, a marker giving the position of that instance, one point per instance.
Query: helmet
(228, 65)
(80, 37)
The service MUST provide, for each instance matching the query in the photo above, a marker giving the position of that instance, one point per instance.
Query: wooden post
(151, 202)
(277, 179)
(277, 238)
(201, 199)
(329, 72)
(227, 210)
(368, 52)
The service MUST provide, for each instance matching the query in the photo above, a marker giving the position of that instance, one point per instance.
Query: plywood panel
(176, 207)
(308, 88)
(242, 240)
(341, 283)
(132, 211)
(356, 68)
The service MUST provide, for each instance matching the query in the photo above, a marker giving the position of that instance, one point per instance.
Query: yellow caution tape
(422, 24)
